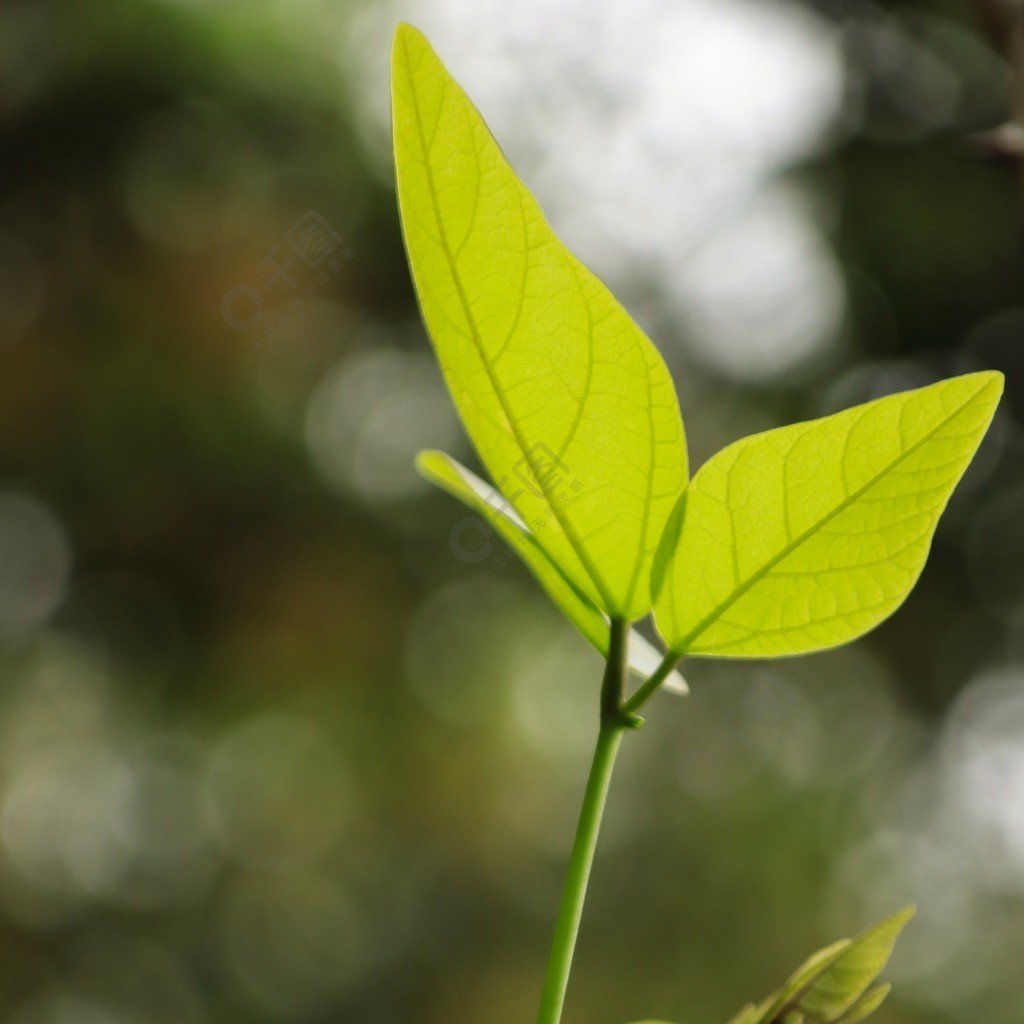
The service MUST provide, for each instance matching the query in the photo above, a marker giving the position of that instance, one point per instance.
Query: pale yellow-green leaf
(569, 405)
(800, 979)
(836, 990)
(748, 1015)
(807, 536)
(491, 506)
(834, 986)
(866, 1005)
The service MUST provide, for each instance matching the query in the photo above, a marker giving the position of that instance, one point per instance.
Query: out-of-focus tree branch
(1004, 21)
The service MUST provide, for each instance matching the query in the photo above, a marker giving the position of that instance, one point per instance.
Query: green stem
(650, 686)
(613, 724)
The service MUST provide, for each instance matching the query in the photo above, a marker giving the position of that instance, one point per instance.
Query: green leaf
(799, 980)
(808, 536)
(866, 1005)
(495, 509)
(569, 405)
(748, 1015)
(834, 985)
(836, 990)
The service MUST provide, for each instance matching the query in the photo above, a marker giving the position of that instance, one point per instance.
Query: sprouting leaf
(569, 405)
(807, 536)
(748, 1015)
(490, 505)
(799, 980)
(866, 1005)
(835, 990)
(834, 986)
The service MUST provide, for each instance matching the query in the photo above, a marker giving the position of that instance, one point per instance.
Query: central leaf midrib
(570, 534)
(683, 646)
(648, 503)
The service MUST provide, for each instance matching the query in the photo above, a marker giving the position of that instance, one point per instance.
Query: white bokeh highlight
(654, 137)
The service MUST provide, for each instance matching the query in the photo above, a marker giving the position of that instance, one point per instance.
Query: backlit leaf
(836, 990)
(569, 405)
(801, 978)
(807, 536)
(492, 507)
(866, 1005)
(834, 986)
(748, 1015)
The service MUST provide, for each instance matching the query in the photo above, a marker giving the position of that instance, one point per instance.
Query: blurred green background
(283, 736)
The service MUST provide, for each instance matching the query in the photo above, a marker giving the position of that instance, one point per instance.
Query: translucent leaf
(802, 977)
(569, 405)
(807, 536)
(748, 1015)
(491, 506)
(834, 985)
(836, 989)
(866, 1005)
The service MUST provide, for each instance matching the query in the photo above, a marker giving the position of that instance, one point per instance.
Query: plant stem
(613, 724)
(650, 686)
(571, 908)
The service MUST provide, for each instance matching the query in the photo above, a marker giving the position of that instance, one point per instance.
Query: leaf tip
(904, 915)
(406, 34)
(407, 44)
(436, 467)
(425, 460)
(998, 382)
(891, 925)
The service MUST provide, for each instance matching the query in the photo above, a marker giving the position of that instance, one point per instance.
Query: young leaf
(748, 1015)
(866, 1005)
(834, 985)
(800, 979)
(836, 990)
(568, 403)
(494, 508)
(807, 536)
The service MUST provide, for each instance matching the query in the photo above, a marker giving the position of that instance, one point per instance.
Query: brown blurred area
(277, 742)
